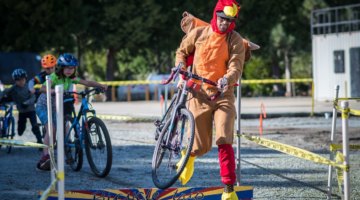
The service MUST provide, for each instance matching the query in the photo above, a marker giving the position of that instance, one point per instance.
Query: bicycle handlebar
(188, 75)
(175, 71)
(86, 92)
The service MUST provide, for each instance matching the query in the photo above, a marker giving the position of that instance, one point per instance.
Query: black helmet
(19, 74)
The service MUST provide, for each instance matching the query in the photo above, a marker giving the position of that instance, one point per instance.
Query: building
(336, 51)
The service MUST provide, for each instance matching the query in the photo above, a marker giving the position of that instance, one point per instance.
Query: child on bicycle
(65, 74)
(48, 63)
(25, 103)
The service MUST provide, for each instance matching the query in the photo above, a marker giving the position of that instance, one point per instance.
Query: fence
(155, 89)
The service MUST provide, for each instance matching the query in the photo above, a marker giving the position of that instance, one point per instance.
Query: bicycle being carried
(7, 123)
(175, 132)
(83, 131)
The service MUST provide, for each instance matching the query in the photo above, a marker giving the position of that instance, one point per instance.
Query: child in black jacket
(25, 103)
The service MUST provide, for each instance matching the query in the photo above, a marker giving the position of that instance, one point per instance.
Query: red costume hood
(220, 5)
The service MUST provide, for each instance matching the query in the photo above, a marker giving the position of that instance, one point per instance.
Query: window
(339, 61)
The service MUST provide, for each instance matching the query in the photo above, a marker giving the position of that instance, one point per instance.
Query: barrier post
(59, 89)
(238, 131)
(333, 128)
(156, 92)
(129, 93)
(345, 137)
(166, 95)
(113, 93)
(50, 124)
(147, 93)
(312, 99)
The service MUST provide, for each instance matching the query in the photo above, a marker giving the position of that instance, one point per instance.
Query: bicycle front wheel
(175, 137)
(161, 123)
(73, 151)
(98, 147)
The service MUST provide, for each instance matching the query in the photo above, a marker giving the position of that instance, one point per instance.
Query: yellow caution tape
(60, 176)
(124, 83)
(46, 193)
(123, 118)
(336, 147)
(22, 143)
(346, 111)
(144, 82)
(114, 117)
(300, 80)
(294, 151)
(3, 112)
(340, 174)
(344, 99)
(355, 112)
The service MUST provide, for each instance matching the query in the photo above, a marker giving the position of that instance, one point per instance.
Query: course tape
(22, 143)
(340, 173)
(48, 190)
(294, 151)
(299, 80)
(58, 175)
(344, 99)
(254, 81)
(263, 81)
(336, 147)
(125, 118)
(346, 111)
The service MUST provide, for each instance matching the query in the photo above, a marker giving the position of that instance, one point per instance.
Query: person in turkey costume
(219, 56)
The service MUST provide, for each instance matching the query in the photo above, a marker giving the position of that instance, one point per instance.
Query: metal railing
(335, 20)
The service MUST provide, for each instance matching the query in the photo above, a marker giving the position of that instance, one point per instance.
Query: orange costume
(218, 55)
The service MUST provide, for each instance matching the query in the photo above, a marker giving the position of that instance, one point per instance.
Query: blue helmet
(18, 74)
(67, 59)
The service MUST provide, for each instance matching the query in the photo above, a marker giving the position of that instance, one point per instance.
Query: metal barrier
(346, 147)
(341, 161)
(57, 174)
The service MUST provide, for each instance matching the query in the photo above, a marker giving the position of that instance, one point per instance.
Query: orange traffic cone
(262, 115)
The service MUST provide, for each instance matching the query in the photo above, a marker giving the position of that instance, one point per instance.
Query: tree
(283, 43)
(123, 25)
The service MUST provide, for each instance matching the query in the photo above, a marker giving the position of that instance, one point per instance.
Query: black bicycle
(175, 132)
(89, 132)
(7, 124)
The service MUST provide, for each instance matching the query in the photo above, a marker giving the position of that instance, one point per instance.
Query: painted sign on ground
(188, 193)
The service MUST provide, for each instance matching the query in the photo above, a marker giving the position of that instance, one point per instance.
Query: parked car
(138, 92)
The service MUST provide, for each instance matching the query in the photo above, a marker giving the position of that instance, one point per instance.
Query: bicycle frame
(183, 95)
(7, 116)
(81, 115)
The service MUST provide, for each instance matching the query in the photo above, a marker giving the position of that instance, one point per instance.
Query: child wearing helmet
(25, 103)
(48, 63)
(65, 74)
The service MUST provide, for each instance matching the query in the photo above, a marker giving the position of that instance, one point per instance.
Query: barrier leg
(60, 140)
(345, 137)
(238, 131)
(50, 124)
(333, 127)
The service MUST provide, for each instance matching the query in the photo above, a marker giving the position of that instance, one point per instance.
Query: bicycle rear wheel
(166, 168)
(98, 147)
(10, 132)
(73, 151)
